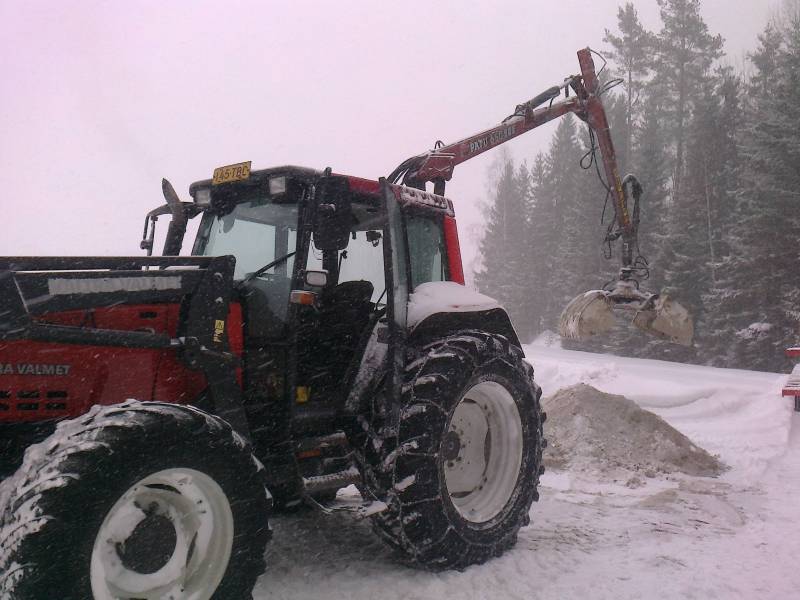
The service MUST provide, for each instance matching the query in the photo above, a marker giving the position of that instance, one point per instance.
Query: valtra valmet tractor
(154, 409)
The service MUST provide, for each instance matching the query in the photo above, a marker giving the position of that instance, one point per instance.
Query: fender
(438, 307)
(435, 310)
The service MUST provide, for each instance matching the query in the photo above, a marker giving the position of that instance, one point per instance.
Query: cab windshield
(256, 232)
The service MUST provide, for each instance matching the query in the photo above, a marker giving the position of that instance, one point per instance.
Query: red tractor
(319, 335)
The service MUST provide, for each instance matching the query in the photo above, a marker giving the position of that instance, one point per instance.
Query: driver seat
(325, 355)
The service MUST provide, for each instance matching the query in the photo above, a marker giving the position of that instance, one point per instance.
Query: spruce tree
(710, 184)
(682, 82)
(651, 166)
(542, 239)
(765, 289)
(502, 247)
(564, 186)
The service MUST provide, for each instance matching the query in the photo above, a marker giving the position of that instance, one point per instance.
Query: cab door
(397, 286)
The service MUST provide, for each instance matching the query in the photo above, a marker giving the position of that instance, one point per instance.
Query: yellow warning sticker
(219, 330)
(302, 394)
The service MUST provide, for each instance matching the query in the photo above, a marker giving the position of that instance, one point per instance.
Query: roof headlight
(277, 185)
(202, 197)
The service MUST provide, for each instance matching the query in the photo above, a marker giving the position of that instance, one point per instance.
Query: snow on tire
(462, 466)
(136, 500)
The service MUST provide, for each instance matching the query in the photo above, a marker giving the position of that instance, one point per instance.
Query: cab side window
(426, 249)
(363, 261)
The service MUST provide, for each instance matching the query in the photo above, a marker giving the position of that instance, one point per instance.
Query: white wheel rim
(124, 565)
(482, 464)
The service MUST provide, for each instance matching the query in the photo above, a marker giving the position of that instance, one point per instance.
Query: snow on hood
(445, 296)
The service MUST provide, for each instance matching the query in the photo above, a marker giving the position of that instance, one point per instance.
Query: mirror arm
(149, 239)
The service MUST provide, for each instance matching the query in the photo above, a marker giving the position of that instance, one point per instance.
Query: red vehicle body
(42, 382)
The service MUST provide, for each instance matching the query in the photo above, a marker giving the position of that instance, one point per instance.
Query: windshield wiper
(264, 269)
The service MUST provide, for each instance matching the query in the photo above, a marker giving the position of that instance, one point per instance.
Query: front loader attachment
(592, 312)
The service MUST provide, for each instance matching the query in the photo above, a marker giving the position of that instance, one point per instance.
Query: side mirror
(316, 278)
(333, 216)
(148, 239)
(177, 227)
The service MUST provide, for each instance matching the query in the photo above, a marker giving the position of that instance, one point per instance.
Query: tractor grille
(45, 402)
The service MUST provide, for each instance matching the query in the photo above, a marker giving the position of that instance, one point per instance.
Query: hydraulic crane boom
(437, 165)
(589, 313)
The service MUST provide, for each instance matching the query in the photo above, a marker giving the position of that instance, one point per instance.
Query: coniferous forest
(718, 154)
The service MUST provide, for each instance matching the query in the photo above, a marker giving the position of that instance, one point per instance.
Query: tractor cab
(319, 259)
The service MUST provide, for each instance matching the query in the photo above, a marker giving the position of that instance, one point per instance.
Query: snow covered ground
(676, 536)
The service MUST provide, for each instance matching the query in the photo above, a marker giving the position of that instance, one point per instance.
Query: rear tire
(461, 468)
(137, 500)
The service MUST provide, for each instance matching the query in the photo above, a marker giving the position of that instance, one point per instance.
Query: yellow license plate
(230, 173)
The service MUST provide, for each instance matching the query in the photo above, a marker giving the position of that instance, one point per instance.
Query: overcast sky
(100, 100)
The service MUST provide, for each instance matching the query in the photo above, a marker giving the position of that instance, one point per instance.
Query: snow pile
(592, 431)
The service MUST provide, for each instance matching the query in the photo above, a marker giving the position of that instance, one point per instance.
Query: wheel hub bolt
(451, 446)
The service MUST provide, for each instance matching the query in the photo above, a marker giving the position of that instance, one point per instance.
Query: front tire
(138, 500)
(460, 470)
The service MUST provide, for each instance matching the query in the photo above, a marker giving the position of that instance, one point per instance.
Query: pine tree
(631, 51)
(685, 53)
(681, 84)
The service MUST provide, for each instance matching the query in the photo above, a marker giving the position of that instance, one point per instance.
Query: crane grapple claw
(666, 319)
(586, 315)
(592, 313)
